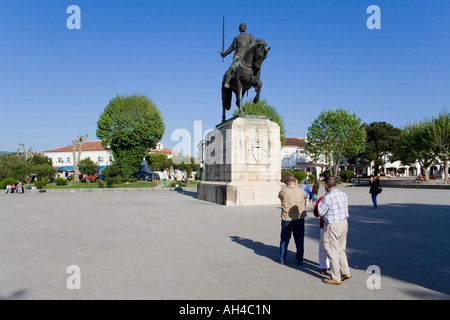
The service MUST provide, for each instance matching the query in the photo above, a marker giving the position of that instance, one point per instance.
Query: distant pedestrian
(293, 213)
(8, 188)
(375, 190)
(307, 189)
(334, 209)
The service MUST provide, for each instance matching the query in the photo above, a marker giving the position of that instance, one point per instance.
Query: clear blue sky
(56, 82)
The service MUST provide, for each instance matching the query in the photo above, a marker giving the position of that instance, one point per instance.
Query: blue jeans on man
(297, 229)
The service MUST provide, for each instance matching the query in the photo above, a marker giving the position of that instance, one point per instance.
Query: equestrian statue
(245, 70)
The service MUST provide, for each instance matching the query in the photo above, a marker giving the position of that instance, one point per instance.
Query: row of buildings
(293, 157)
(62, 158)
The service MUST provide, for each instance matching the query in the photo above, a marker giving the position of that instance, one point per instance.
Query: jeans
(297, 228)
(374, 200)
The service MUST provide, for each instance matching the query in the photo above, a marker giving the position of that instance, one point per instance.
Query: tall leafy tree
(335, 134)
(415, 144)
(262, 108)
(381, 140)
(158, 161)
(441, 140)
(129, 126)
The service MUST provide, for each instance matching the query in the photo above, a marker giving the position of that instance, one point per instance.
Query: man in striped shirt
(334, 209)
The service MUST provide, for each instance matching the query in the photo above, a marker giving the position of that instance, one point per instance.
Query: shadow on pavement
(192, 194)
(409, 242)
(271, 252)
(17, 295)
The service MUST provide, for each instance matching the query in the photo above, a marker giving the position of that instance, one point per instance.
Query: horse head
(256, 54)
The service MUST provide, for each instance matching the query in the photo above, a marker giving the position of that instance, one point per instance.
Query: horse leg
(241, 109)
(223, 114)
(258, 91)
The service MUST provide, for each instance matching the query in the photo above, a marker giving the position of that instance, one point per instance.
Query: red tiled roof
(301, 143)
(97, 146)
(87, 146)
(165, 151)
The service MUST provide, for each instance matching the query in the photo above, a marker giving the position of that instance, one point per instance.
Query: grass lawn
(94, 185)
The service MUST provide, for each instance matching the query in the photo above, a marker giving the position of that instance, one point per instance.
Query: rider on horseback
(240, 44)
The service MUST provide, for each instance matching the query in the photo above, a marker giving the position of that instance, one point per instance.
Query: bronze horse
(245, 76)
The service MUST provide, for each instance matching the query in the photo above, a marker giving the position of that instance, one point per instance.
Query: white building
(294, 157)
(160, 149)
(62, 158)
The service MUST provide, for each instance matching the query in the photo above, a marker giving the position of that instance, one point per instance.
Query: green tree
(381, 140)
(158, 161)
(415, 144)
(39, 158)
(262, 108)
(42, 166)
(186, 164)
(440, 128)
(335, 134)
(44, 172)
(129, 126)
(88, 167)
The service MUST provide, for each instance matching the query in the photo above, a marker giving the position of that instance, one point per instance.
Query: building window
(68, 160)
(100, 159)
(60, 160)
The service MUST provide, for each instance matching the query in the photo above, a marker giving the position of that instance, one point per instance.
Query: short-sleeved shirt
(307, 189)
(334, 206)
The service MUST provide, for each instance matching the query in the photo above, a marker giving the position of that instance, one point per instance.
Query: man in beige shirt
(293, 213)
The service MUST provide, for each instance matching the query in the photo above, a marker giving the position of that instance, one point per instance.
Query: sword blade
(223, 35)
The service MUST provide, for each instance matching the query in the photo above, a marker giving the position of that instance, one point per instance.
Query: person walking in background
(324, 263)
(293, 213)
(334, 210)
(307, 189)
(375, 190)
(315, 191)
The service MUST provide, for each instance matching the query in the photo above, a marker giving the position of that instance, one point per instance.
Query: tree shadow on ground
(271, 252)
(409, 242)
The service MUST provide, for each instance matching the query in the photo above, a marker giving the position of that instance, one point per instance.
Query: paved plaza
(169, 245)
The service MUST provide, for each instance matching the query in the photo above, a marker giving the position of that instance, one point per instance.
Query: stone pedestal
(242, 163)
